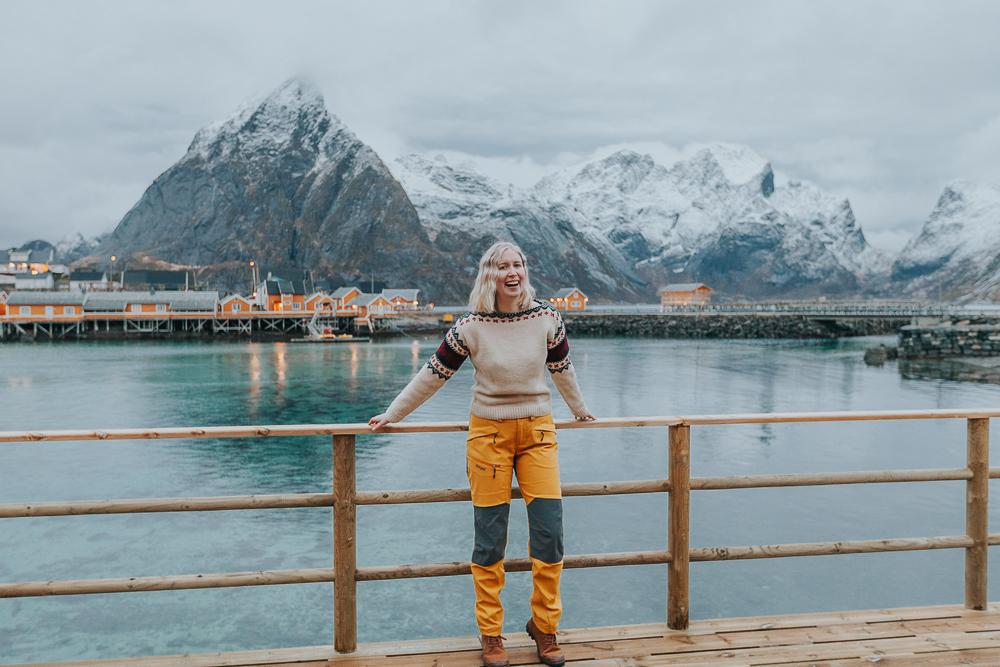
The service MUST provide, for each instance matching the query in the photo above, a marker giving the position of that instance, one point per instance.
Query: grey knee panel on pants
(491, 534)
(545, 529)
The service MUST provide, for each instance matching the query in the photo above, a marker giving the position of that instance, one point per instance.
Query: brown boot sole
(547, 661)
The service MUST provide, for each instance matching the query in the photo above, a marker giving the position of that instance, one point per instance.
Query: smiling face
(509, 280)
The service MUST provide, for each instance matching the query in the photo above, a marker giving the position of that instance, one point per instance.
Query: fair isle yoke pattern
(557, 359)
(527, 340)
(450, 355)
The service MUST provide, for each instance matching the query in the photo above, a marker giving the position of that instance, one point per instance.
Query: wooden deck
(924, 636)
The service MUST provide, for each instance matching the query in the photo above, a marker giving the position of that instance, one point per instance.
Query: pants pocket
(489, 482)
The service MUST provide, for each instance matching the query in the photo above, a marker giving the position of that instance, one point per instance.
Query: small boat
(332, 338)
(320, 334)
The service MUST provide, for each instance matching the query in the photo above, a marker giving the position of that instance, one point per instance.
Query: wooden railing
(678, 555)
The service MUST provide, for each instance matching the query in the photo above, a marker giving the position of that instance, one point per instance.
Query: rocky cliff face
(286, 183)
(957, 253)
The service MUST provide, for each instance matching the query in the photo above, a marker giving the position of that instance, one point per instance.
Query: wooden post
(976, 515)
(678, 544)
(345, 608)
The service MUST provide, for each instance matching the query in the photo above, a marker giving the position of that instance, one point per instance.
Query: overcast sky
(884, 102)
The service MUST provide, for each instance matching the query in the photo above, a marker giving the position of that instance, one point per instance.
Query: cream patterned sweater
(510, 353)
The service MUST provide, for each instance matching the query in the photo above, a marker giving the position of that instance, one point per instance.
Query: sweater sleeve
(444, 363)
(561, 368)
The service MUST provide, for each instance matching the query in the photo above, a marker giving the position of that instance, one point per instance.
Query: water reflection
(975, 369)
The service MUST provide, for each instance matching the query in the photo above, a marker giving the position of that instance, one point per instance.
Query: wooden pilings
(678, 535)
(345, 555)
(977, 490)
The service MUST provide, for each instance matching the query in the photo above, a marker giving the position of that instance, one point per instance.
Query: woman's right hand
(378, 422)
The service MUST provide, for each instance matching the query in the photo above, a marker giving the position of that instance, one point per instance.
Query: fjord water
(147, 384)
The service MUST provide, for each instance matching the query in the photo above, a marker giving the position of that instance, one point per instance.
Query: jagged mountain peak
(957, 248)
(726, 166)
(294, 113)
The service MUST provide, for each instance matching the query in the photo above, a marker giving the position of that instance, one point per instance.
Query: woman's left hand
(585, 417)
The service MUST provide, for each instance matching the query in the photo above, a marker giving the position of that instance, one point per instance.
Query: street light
(113, 259)
(253, 275)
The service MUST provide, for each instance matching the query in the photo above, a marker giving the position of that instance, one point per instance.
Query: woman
(512, 339)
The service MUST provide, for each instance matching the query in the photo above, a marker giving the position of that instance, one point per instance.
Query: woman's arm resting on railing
(563, 373)
(439, 368)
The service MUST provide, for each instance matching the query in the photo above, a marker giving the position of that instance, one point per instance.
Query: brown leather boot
(494, 654)
(546, 645)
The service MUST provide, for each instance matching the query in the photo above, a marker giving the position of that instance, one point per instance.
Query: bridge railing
(677, 484)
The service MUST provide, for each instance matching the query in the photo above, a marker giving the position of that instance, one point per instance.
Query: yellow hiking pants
(497, 450)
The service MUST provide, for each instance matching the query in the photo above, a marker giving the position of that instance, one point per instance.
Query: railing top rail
(188, 432)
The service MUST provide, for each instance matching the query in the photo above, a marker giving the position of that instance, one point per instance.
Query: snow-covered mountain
(957, 253)
(715, 217)
(284, 182)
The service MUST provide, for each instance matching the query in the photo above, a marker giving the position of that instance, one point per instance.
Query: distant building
(372, 304)
(402, 299)
(34, 281)
(151, 302)
(278, 294)
(86, 281)
(342, 298)
(322, 303)
(234, 303)
(44, 305)
(156, 280)
(569, 298)
(27, 261)
(685, 294)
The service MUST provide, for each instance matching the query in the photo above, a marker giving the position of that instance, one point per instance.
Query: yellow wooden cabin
(569, 298)
(402, 299)
(342, 298)
(321, 303)
(3, 303)
(278, 294)
(685, 294)
(235, 304)
(44, 306)
(373, 305)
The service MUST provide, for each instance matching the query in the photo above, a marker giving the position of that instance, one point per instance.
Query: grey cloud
(883, 101)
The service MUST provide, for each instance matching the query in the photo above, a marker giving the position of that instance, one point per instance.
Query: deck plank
(924, 636)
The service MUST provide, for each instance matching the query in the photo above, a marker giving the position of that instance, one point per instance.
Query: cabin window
(296, 306)
(26, 310)
(237, 308)
(68, 310)
(135, 307)
(161, 307)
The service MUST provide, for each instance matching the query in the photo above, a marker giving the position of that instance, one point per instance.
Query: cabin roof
(318, 295)
(45, 298)
(232, 297)
(341, 292)
(408, 294)
(366, 299)
(683, 287)
(88, 275)
(109, 301)
(275, 285)
(566, 291)
(155, 277)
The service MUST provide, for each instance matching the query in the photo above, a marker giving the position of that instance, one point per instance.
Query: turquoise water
(140, 384)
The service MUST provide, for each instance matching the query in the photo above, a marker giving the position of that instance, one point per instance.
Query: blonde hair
(483, 297)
